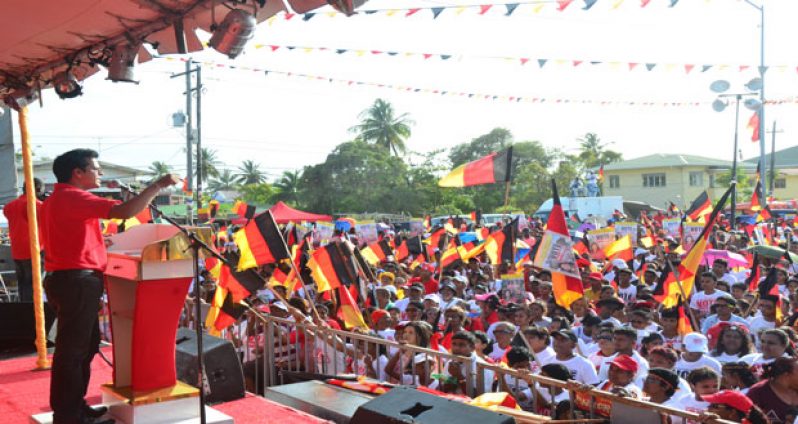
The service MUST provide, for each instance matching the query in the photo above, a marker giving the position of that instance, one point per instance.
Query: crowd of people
(736, 360)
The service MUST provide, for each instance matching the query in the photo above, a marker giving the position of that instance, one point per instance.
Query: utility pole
(190, 138)
(762, 69)
(773, 133)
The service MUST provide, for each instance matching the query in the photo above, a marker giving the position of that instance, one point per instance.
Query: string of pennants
(687, 68)
(500, 9)
(464, 94)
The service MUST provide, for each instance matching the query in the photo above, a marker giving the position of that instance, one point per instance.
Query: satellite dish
(752, 104)
(754, 85)
(718, 105)
(719, 86)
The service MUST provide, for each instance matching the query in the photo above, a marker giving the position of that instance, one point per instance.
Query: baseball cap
(377, 315)
(696, 342)
(428, 267)
(433, 297)
(279, 305)
(625, 362)
(619, 263)
(418, 286)
(565, 333)
(485, 297)
(448, 285)
(731, 398)
(596, 276)
(640, 251)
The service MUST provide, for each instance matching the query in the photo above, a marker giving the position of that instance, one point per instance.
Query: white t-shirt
(703, 302)
(628, 294)
(642, 368)
(689, 404)
(544, 357)
(725, 358)
(758, 324)
(684, 367)
(581, 369)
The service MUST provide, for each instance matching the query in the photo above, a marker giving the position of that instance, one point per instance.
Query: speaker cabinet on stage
(223, 372)
(408, 405)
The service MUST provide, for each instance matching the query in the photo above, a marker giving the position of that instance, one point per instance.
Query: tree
(288, 186)
(379, 125)
(210, 164)
(593, 153)
(159, 169)
(745, 185)
(223, 181)
(250, 173)
(258, 194)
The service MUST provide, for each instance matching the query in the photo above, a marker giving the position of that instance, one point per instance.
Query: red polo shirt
(16, 212)
(71, 220)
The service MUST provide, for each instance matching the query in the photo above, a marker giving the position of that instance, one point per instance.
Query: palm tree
(379, 125)
(250, 173)
(225, 180)
(288, 184)
(593, 153)
(210, 164)
(159, 169)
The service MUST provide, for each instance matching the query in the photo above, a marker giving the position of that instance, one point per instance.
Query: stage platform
(25, 392)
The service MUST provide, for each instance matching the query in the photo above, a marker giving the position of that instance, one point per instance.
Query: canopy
(284, 214)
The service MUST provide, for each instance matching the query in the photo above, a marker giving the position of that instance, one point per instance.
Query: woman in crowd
(737, 376)
(774, 343)
(406, 367)
(779, 389)
(734, 342)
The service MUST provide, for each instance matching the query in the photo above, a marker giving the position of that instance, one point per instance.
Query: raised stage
(24, 392)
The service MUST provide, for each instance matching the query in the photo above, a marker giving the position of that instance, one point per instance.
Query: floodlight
(752, 104)
(719, 86)
(122, 64)
(237, 28)
(66, 85)
(719, 105)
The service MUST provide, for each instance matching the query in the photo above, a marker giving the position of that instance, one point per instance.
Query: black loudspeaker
(224, 378)
(408, 405)
(18, 324)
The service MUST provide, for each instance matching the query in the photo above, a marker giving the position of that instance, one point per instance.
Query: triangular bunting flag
(308, 16)
(563, 4)
(436, 11)
(542, 62)
(510, 8)
(650, 66)
(483, 9)
(589, 4)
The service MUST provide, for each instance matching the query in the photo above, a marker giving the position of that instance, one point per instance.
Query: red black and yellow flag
(684, 326)
(555, 253)
(450, 256)
(427, 223)
(330, 268)
(470, 250)
(700, 207)
(260, 242)
(759, 202)
(494, 168)
(377, 252)
(348, 310)
(500, 246)
(476, 217)
(769, 290)
(409, 246)
(672, 208)
(752, 282)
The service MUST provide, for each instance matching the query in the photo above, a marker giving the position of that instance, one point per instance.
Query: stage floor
(24, 392)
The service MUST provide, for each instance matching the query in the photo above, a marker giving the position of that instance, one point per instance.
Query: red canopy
(284, 214)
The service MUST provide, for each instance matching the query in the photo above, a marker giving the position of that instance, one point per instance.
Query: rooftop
(785, 158)
(659, 160)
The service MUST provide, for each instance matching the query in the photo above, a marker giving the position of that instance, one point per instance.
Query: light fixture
(66, 85)
(121, 67)
(232, 35)
(20, 97)
(719, 86)
(752, 104)
(754, 85)
(719, 105)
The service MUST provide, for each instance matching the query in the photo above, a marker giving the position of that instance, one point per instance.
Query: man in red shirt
(425, 278)
(75, 262)
(16, 212)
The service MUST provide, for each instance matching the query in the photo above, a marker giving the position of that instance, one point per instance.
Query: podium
(148, 275)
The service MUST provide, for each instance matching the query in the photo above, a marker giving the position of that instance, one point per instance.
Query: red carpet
(24, 392)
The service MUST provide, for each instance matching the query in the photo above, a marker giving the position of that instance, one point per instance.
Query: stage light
(232, 35)
(121, 67)
(719, 86)
(66, 85)
(754, 85)
(20, 98)
(719, 105)
(752, 104)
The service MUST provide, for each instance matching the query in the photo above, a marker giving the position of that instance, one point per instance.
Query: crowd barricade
(303, 348)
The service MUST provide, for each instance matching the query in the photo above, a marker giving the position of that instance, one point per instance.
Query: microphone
(120, 185)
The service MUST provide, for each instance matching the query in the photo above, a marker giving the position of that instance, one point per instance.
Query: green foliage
(210, 163)
(745, 183)
(288, 187)
(223, 181)
(159, 169)
(261, 194)
(593, 153)
(250, 173)
(379, 125)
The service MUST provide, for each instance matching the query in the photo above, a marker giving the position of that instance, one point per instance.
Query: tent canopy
(284, 214)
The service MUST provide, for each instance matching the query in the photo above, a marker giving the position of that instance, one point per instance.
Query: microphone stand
(195, 245)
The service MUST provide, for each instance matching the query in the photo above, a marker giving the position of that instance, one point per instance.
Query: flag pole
(685, 303)
(440, 255)
(506, 194)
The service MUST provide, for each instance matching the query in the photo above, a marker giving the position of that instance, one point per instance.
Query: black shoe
(93, 413)
(105, 421)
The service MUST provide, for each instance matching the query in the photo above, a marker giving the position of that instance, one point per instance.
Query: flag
(213, 209)
(601, 173)
(470, 250)
(476, 217)
(673, 208)
(555, 253)
(700, 207)
(494, 168)
(240, 284)
(437, 238)
(279, 278)
(186, 188)
(769, 289)
(757, 200)
(409, 246)
(683, 326)
(142, 217)
(427, 223)
(450, 256)
(620, 249)
(260, 242)
(214, 266)
(330, 269)
(243, 210)
(666, 289)
(377, 252)
(752, 282)
(753, 125)
(500, 246)
(348, 310)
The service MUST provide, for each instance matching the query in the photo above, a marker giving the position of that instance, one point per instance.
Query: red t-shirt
(71, 221)
(16, 212)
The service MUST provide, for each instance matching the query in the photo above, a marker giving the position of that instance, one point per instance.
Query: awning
(284, 214)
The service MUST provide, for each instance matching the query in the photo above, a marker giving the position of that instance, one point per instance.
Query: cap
(731, 398)
(625, 269)
(448, 285)
(460, 278)
(640, 251)
(377, 315)
(611, 300)
(696, 342)
(428, 267)
(565, 333)
(418, 286)
(625, 362)
(596, 276)
(433, 297)
(619, 263)
(279, 305)
(486, 297)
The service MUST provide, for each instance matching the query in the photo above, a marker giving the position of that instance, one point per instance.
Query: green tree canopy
(225, 180)
(380, 125)
(250, 173)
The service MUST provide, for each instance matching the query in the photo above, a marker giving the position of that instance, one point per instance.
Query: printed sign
(556, 254)
(513, 288)
(691, 232)
(626, 228)
(671, 226)
(598, 240)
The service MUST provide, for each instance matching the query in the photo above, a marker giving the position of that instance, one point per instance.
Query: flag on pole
(753, 125)
(556, 254)
(330, 269)
(260, 242)
(601, 173)
(620, 249)
(494, 168)
(700, 207)
(500, 246)
(377, 252)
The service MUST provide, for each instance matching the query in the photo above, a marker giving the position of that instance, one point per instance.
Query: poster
(556, 254)
(626, 228)
(513, 288)
(671, 226)
(691, 232)
(598, 240)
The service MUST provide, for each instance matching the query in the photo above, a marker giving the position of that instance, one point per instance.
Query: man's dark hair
(626, 331)
(74, 159)
(667, 379)
(416, 304)
(557, 371)
(539, 332)
(709, 274)
(700, 374)
(517, 354)
(465, 335)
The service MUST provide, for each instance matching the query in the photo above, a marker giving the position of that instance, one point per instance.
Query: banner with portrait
(598, 240)
(691, 232)
(626, 228)
(671, 226)
(556, 254)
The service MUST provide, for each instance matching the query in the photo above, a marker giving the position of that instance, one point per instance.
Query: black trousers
(75, 297)
(24, 271)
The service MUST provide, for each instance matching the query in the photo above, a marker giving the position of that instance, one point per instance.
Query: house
(661, 178)
(44, 171)
(786, 178)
